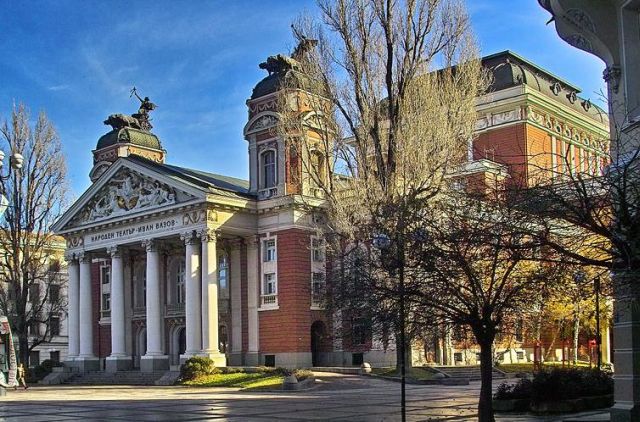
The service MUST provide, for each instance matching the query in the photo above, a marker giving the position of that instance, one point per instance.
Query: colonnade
(201, 305)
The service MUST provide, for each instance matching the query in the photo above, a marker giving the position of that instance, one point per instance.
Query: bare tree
(379, 104)
(31, 294)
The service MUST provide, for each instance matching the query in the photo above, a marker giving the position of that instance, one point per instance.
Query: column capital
(70, 257)
(151, 245)
(115, 251)
(208, 235)
(188, 238)
(83, 257)
(252, 241)
(234, 243)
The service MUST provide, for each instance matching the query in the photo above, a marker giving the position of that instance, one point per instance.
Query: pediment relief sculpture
(127, 191)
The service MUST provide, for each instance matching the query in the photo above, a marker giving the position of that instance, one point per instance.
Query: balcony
(105, 313)
(174, 309)
(269, 301)
(317, 300)
(267, 193)
(139, 311)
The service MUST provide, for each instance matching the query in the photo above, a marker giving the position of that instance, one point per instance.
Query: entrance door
(317, 339)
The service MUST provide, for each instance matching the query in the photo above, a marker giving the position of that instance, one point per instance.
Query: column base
(153, 363)
(252, 359)
(87, 364)
(235, 359)
(118, 363)
(219, 359)
(621, 412)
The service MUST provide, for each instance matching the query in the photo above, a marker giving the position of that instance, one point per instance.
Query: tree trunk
(576, 338)
(485, 404)
(23, 344)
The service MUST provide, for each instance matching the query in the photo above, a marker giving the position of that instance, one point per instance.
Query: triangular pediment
(126, 190)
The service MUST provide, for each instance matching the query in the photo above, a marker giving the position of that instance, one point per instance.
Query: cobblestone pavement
(337, 397)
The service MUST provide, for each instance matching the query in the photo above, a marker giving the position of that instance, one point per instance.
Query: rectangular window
(54, 356)
(520, 355)
(34, 358)
(358, 332)
(269, 247)
(223, 271)
(317, 249)
(54, 326)
(270, 284)
(105, 292)
(34, 293)
(457, 357)
(54, 293)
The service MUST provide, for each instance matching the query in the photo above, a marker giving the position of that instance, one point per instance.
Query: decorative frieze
(126, 192)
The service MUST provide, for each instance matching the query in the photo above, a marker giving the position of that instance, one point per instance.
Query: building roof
(129, 135)
(215, 182)
(509, 69)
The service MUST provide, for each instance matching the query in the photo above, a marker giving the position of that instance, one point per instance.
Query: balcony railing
(269, 300)
(317, 300)
(174, 309)
(105, 313)
(139, 311)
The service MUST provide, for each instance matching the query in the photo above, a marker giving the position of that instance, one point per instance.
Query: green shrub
(558, 384)
(519, 390)
(198, 366)
(229, 370)
(302, 374)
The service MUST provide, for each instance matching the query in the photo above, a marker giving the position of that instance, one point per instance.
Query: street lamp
(15, 163)
(383, 243)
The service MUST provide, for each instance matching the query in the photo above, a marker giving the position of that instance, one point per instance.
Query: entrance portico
(137, 247)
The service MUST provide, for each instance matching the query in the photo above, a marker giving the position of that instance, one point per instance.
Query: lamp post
(15, 163)
(382, 242)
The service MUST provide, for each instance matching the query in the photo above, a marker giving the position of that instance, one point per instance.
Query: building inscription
(155, 227)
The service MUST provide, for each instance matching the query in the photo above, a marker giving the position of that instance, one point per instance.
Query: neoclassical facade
(167, 262)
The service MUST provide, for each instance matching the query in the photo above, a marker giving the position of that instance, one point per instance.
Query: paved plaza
(337, 397)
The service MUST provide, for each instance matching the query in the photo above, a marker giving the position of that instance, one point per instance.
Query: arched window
(317, 169)
(268, 169)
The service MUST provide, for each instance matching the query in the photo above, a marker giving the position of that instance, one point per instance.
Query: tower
(287, 161)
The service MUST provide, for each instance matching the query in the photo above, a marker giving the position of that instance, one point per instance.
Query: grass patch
(415, 373)
(237, 380)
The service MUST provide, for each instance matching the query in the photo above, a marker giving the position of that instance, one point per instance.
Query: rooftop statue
(281, 63)
(139, 120)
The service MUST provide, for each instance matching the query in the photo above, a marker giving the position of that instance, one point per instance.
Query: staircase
(472, 373)
(115, 378)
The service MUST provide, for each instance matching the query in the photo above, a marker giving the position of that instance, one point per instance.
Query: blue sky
(198, 60)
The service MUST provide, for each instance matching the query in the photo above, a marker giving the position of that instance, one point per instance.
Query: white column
(154, 322)
(86, 311)
(117, 303)
(73, 296)
(210, 292)
(193, 308)
(252, 300)
(236, 300)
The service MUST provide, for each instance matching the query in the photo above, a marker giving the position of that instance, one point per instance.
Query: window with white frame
(268, 169)
(180, 279)
(105, 289)
(270, 285)
(223, 271)
(269, 250)
(317, 249)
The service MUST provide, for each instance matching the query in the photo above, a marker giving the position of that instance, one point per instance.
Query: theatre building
(168, 262)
